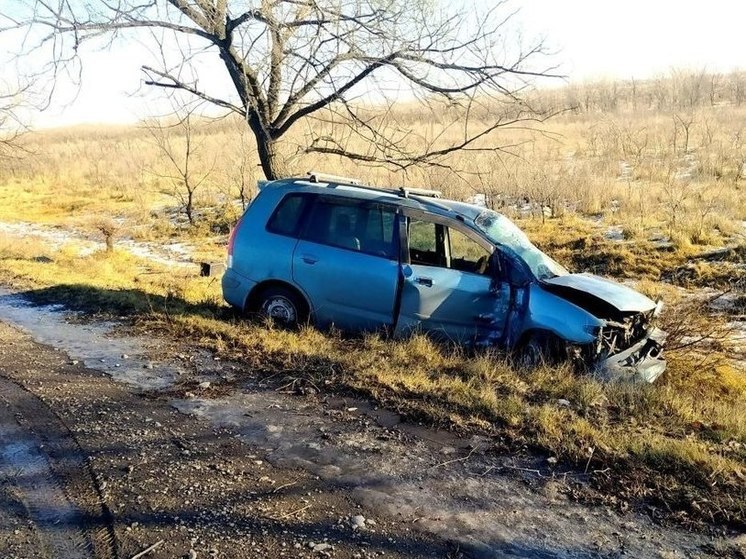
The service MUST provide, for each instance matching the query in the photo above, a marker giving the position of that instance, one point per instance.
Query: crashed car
(331, 251)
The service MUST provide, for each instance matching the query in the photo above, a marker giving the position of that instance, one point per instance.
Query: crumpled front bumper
(643, 362)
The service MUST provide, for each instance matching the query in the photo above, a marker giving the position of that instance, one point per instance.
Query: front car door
(447, 289)
(347, 263)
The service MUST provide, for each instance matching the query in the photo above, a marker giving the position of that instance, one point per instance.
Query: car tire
(282, 306)
(537, 350)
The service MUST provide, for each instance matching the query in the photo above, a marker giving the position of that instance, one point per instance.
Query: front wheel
(539, 349)
(282, 306)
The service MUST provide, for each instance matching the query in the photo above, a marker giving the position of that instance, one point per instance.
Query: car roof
(439, 206)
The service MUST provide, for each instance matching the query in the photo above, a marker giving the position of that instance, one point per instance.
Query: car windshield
(501, 231)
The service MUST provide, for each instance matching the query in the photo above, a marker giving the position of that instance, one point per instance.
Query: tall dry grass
(663, 162)
(667, 161)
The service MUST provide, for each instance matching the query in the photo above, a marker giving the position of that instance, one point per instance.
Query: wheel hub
(280, 309)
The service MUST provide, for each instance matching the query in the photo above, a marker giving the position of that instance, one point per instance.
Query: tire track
(41, 459)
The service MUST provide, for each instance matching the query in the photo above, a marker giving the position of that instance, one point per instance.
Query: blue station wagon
(328, 250)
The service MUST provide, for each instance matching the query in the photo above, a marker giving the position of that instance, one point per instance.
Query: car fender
(567, 321)
(257, 287)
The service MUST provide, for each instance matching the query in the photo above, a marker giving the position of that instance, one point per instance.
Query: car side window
(379, 232)
(423, 243)
(362, 227)
(467, 255)
(286, 219)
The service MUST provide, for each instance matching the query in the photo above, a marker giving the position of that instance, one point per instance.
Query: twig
(283, 486)
(488, 470)
(293, 512)
(587, 464)
(144, 552)
(530, 470)
(463, 459)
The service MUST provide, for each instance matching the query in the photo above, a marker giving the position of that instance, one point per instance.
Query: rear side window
(361, 227)
(379, 232)
(286, 219)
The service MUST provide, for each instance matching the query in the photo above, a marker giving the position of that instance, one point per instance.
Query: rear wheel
(282, 306)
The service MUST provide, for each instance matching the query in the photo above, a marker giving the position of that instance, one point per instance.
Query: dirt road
(106, 457)
(90, 469)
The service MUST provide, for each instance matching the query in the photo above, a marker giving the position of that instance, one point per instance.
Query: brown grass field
(646, 187)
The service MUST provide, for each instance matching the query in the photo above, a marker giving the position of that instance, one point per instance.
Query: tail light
(232, 241)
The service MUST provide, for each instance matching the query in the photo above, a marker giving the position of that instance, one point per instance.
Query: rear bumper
(643, 362)
(236, 288)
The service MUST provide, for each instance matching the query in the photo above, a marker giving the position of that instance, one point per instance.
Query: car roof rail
(407, 192)
(315, 176)
(402, 192)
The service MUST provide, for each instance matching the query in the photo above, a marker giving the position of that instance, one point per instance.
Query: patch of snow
(626, 171)
(687, 167)
(54, 237)
(478, 200)
(614, 233)
(93, 344)
(169, 254)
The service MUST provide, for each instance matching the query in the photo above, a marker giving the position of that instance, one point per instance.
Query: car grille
(618, 336)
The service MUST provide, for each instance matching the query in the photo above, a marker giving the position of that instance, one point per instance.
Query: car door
(347, 263)
(447, 290)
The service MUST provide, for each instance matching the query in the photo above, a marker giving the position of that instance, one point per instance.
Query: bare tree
(739, 154)
(676, 192)
(241, 176)
(293, 60)
(683, 122)
(11, 124)
(181, 149)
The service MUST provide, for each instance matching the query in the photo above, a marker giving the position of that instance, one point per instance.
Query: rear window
(361, 227)
(286, 219)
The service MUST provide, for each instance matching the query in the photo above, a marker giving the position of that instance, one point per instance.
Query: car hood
(598, 295)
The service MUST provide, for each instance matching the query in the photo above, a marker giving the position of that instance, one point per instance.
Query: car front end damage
(631, 351)
(626, 344)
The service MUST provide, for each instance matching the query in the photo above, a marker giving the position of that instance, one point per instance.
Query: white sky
(592, 39)
(639, 38)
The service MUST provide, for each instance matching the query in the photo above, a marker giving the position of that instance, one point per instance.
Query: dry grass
(630, 167)
(678, 445)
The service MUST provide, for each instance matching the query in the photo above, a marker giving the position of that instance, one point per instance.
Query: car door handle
(427, 282)
(308, 259)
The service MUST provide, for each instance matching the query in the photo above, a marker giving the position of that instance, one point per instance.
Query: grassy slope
(679, 445)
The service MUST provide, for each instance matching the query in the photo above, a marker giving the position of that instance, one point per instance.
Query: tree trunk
(189, 207)
(273, 164)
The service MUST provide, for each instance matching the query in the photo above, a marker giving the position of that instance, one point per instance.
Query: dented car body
(336, 253)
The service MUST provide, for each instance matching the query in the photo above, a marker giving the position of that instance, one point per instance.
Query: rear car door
(447, 290)
(347, 263)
